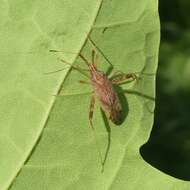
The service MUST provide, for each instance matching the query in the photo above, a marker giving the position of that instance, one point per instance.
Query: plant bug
(104, 90)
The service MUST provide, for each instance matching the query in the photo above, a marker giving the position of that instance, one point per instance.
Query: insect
(104, 90)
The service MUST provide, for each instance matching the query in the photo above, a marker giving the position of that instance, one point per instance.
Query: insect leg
(93, 56)
(92, 103)
(122, 78)
(74, 67)
(146, 96)
(99, 50)
(116, 73)
(84, 82)
(81, 70)
(137, 93)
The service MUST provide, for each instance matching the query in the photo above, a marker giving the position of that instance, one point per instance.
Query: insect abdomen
(110, 103)
(116, 114)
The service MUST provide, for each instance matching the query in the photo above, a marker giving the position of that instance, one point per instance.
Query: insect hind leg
(91, 112)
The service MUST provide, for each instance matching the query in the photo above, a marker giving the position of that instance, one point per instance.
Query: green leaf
(45, 141)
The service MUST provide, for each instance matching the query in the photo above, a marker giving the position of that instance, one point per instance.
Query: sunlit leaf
(45, 141)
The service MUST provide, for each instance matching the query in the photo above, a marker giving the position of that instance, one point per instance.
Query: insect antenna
(81, 70)
(56, 71)
(79, 54)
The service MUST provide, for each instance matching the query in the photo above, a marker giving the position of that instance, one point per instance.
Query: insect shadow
(106, 90)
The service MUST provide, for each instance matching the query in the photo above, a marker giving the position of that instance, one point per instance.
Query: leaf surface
(45, 141)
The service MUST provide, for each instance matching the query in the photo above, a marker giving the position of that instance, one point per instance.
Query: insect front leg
(122, 78)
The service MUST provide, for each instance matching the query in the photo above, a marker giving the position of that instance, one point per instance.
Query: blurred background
(168, 148)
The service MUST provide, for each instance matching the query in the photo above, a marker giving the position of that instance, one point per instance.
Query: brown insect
(103, 90)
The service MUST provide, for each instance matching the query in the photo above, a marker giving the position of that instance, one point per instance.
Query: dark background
(168, 148)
